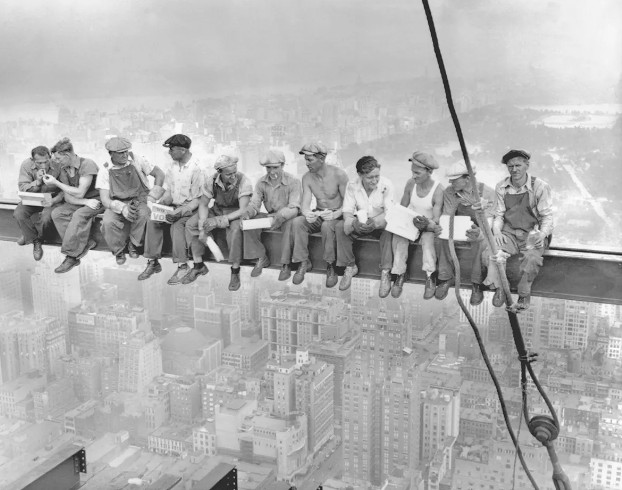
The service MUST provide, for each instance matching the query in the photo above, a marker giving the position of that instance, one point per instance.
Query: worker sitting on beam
(30, 179)
(523, 224)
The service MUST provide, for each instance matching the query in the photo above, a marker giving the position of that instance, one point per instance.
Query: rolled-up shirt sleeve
(544, 206)
(293, 202)
(349, 200)
(255, 204)
(246, 187)
(499, 212)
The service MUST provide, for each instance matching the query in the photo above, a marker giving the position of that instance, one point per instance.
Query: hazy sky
(107, 48)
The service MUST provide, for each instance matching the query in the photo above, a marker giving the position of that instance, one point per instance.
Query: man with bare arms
(327, 184)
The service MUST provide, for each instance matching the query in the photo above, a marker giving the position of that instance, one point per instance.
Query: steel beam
(567, 274)
(60, 471)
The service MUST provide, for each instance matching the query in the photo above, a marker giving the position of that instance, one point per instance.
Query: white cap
(458, 169)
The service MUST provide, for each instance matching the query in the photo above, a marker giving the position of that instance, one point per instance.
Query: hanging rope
(543, 427)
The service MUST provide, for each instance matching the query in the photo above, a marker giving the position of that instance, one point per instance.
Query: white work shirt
(143, 166)
(184, 182)
(378, 202)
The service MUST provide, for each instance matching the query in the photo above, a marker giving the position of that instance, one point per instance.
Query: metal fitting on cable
(543, 428)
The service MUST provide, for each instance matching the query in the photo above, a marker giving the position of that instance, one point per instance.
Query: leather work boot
(385, 283)
(153, 267)
(331, 276)
(37, 250)
(234, 283)
(430, 287)
(194, 273)
(176, 278)
(498, 300)
(442, 289)
(132, 250)
(523, 302)
(299, 276)
(261, 263)
(120, 257)
(477, 295)
(21, 241)
(68, 264)
(286, 272)
(398, 286)
(91, 244)
(346, 280)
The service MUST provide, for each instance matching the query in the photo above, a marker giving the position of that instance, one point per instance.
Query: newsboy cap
(313, 148)
(272, 157)
(224, 161)
(178, 140)
(513, 154)
(424, 160)
(458, 169)
(118, 143)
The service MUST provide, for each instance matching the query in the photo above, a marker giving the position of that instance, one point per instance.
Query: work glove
(172, 217)
(421, 222)
(473, 233)
(129, 212)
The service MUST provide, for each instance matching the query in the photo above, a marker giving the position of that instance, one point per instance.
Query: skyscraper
(140, 360)
(54, 294)
(440, 418)
(314, 396)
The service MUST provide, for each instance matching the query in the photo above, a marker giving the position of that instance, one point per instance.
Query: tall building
(29, 343)
(440, 418)
(85, 374)
(380, 427)
(140, 360)
(186, 351)
(247, 354)
(361, 429)
(99, 330)
(339, 354)
(385, 339)
(293, 320)
(185, 399)
(285, 389)
(54, 294)
(11, 297)
(314, 396)
(219, 322)
(52, 401)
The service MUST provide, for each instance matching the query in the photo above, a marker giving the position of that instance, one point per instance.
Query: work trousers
(73, 223)
(345, 253)
(446, 265)
(254, 249)
(400, 253)
(117, 230)
(33, 229)
(154, 238)
(235, 240)
(301, 229)
(530, 261)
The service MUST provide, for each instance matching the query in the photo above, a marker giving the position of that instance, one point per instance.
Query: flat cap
(313, 148)
(458, 169)
(272, 157)
(178, 140)
(424, 160)
(224, 161)
(118, 143)
(513, 154)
